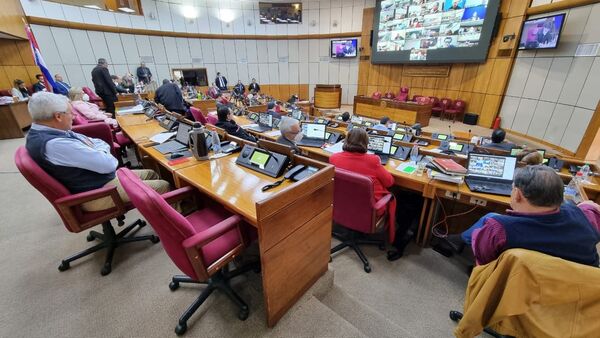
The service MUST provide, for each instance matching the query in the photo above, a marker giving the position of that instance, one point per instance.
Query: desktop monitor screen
(455, 146)
(398, 136)
(433, 31)
(356, 119)
(542, 33)
(314, 130)
(297, 114)
(344, 48)
(380, 144)
(265, 119)
(492, 166)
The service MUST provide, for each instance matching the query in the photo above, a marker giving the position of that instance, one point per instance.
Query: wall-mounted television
(432, 31)
(344, 48)
(280, 13)
(542, 33)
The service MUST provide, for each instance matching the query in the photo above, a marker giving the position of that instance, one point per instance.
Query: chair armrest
(383, 201)
(208, 235)
(65, 203)
(95, 121)
(177, 195)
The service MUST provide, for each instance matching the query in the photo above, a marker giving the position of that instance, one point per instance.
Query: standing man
(143, 73)
(104, 86)
(239, 88)
(221, 81)
(39, 86)
(254, 87)
(170, 96)
(61, 87)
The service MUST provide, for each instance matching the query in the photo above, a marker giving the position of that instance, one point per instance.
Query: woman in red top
(355, 158)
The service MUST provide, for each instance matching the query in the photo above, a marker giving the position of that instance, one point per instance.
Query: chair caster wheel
(243, 314)
(455, 316)
(367, 268)
(154, 239)
(174, 286)
(142, 224)
(89, 237)
(106, 269)
(180, 329)
(64, 266)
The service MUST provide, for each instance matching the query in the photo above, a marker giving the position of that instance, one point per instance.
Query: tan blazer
(529, 294)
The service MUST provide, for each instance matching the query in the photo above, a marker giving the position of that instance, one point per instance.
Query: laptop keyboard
(170, 147)
(490, 187)
(311, 142)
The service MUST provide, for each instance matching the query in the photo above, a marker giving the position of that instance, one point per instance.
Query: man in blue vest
(80, 163)
(538, 220)
(61, 87)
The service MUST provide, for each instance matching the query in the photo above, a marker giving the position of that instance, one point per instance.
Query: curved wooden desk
(403, 112)
(328, 96)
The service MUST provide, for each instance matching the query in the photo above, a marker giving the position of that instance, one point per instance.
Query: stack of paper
(131, 110)
(446, 178)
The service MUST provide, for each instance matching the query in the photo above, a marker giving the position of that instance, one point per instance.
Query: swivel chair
(355, 209)
(197, 114)
(75, 219)
(200, 244)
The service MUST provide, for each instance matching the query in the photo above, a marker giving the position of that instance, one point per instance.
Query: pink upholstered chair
(389, 95)
(200, 244)
(423, 100)
(377, 95)
(445, 103)
(75, 219)
(197, 114)
(355, 209)
(402, 95)
(93, 97)
(436, 109)
(211, 119)
(416, 97)
(101, 131)
(458, 108)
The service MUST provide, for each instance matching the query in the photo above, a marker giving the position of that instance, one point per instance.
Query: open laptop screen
(265, 119)
(380, 144)
(183, 133)
(492, 166)
(314, 130)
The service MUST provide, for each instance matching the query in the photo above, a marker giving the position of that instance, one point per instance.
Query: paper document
(131, 110)
(162, 137)
(272, 133)
(407, 168)
(252, 125)
(336, 148)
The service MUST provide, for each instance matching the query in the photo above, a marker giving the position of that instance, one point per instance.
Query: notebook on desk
(492, 174)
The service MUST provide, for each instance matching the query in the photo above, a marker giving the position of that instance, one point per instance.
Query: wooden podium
(403, 112)
(328, 96)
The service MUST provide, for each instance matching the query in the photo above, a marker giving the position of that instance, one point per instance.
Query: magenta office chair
(402, 95)
(200, 244)
(76, 219)
(197, 114)
(354, 208)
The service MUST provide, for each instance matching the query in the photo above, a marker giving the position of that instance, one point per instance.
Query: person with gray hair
(290, 133)
(538, 220)
(104, 86)
(79, 162)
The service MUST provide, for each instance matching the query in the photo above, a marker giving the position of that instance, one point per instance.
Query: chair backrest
(435, 101)
(170, 226)
(211, 119)
(100, 130)
(353, 201)
(403, 94)
(376, 95)
(197, 114)
(423, 100)
(389, 95)
(446, 102)
(416, 97)
(459, 105)
(91, 94)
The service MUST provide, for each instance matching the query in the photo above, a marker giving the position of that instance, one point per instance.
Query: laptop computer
(179, 143)
(381, 146)
(265, 123)
(314, 134)
(492, 174)
(297, 114)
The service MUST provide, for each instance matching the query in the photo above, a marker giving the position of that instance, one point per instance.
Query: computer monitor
(515, 151)
(442, 137)
(368, 123)
(297, 114)
(265, 119)
(183, 133)
(492, 166)
(457, 147)
(398, 136)
(380, 144)
(356, 119)
(314, 130)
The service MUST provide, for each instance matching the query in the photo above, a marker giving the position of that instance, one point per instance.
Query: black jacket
(144, 74)
(288, 143)
(254, 87)
(170, 96)
(38, 87)
(103, 84)
(218, 84)
(233, 129)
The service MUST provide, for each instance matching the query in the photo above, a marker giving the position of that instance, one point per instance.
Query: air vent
(197, 60)
(588, 49)
(283, 59)
(147, 59)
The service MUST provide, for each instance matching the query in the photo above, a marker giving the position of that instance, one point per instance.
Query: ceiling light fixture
(189, 12)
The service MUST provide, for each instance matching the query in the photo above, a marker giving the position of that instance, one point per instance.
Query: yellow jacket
(529, 294)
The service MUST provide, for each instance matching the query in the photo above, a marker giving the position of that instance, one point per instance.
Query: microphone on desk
(469, 135)
(450, 129)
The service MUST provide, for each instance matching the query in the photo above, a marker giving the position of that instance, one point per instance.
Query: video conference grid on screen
(420, 27)
(343, 48)
(380, 144)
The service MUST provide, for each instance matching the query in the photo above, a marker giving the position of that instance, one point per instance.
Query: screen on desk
(515, 151)
(453, 146)
(492, 166)
(398, 136)
(259, 158)
(442, 137)
(265, 119)
(393, 150)
(380, 144)
(356, 119)
(183, 133)
(297, 114)
(314, 130)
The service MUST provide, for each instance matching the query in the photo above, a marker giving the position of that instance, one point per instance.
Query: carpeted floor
(410, 297)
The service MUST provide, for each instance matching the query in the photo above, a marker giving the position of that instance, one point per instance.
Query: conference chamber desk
(404, 112)
(293, 220)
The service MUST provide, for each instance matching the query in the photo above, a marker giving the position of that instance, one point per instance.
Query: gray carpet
(410, 297)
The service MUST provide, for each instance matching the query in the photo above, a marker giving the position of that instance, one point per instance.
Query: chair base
(219, 281)
(110, 241)
(456, 316)
(351, 240)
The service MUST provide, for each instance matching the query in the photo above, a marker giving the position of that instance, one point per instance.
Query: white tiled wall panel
(552, 94)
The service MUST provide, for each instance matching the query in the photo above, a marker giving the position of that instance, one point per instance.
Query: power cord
(444, 233)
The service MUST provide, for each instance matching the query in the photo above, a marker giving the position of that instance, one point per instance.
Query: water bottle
(585, 173)
(414, 153)
(571, 192)
(198, 142)
(216, 143)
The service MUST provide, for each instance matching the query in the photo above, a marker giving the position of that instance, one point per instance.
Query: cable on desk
(444, 221)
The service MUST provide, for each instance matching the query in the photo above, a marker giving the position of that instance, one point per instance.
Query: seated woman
(19, 90)
(89, 110)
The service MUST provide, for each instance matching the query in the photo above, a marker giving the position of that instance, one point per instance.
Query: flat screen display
(314, 130)
(492, 166)
(542, 33)
(344, 48)
(380, 144)
(280, 13)
(432, 31)
(265, 119)
(455, 146)
(399, 136)
(259, 159)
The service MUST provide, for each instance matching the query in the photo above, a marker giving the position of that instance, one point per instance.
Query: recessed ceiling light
(126, 10)
(92, 6)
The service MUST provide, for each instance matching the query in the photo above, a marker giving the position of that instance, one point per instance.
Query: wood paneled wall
(11, 19)
(481, 86)
(16, 62)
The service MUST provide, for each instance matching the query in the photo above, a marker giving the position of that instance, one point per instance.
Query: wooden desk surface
(234, 186)
(133, 119)
(141, 133)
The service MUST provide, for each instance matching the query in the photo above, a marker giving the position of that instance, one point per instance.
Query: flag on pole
(39, 61)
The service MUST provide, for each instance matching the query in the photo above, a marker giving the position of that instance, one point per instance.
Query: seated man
(227, 123)
(538, 221)
(80, 163)
(290, 133)
(271, 109)
(384, 124)
(346, 116)
(498, 142)
(117, 81)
